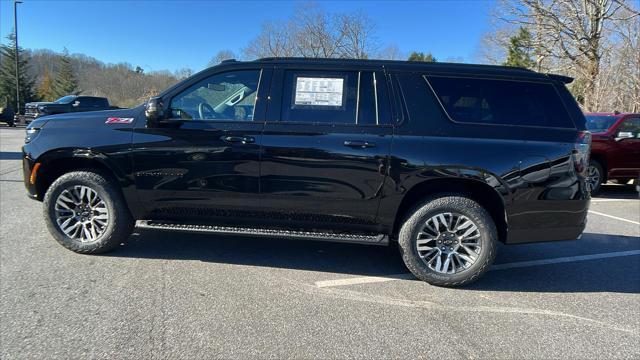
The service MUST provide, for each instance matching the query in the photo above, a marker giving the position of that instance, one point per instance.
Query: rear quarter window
(500, 102)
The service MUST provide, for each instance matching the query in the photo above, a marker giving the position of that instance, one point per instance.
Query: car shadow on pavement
(620, 274)
(10, 155)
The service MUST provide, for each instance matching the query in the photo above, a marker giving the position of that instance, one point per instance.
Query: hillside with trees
(46, 75)
(594, 41)
(60, 74)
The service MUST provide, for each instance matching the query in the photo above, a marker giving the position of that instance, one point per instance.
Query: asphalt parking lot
(174, 295)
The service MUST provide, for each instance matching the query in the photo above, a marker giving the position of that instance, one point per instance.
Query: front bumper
(28, 166)
(25, 119)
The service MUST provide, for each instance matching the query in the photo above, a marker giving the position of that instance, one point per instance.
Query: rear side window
(333, 97)
(503, 102)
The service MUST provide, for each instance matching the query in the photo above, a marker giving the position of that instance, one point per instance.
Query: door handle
(239, 139)
(359, 144)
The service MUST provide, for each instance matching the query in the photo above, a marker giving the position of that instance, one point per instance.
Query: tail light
(581, 151)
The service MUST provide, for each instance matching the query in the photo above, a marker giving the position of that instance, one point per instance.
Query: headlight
(32, 133)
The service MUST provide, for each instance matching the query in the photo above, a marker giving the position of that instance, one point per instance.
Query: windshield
(600, 123)
(65, 99)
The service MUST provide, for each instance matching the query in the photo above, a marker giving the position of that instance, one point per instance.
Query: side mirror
(624, 135)
(75, 103)
(153, 111)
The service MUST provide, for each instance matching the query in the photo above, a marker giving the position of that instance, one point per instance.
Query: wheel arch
(481, 192)
(56, 163)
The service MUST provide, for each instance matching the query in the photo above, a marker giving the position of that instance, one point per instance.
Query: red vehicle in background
(615, 148)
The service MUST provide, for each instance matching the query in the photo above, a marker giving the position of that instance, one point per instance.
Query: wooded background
(597, 42)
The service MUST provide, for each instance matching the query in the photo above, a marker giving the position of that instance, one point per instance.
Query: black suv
(443, 159)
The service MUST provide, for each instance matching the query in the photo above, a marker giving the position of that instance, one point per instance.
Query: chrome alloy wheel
(81, 214)
(449, 243)
(593, 178)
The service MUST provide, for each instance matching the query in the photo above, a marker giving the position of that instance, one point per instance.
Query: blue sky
(159, 35)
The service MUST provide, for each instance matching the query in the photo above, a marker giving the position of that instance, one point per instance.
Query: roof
(412, 65)
(387, 63)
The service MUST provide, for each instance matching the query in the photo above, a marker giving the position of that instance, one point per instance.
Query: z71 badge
(118, 120)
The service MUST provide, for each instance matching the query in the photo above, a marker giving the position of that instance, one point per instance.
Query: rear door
(325, 145)
(203, 162)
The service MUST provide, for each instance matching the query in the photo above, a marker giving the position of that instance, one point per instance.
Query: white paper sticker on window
(319, 91)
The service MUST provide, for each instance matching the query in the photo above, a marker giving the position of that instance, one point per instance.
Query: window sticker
(313, 91)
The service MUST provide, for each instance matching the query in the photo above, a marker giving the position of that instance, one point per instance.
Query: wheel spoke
(81, 214)
(449, 243)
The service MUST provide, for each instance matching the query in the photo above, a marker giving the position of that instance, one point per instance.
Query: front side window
(66, 99)
(504, 102)
(227, 96)
(631, 126)
(600, 123)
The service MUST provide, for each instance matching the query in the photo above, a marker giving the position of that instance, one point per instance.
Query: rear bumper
(548, 221)
(523, 236)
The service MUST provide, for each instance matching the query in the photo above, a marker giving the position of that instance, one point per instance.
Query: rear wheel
(448, 240)
(86, 213)
(595, 176)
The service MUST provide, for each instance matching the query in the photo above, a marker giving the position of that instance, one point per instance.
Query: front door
(326, 144)
(626, 159)
(202, 163)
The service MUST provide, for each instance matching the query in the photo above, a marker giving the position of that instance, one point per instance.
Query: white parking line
(513, 265)
(364, 280)
(615, 200)
(614, 217)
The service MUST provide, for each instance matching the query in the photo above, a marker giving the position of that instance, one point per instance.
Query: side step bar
(290, 234)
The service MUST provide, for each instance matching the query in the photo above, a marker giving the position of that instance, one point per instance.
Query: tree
(221, 56)
(520, 50)
(420, 56)
(8, 74)
(45, 89)
(183, 73)
(65, 81)
(314, 33)
(391, 52)
(571, 36)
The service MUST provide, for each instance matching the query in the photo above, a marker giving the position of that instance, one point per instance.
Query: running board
(289, 234)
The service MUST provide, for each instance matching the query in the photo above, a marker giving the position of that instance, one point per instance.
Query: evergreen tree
(65, 81)
(8, 75)
(520, 50)
(45, 89)
(420, 56)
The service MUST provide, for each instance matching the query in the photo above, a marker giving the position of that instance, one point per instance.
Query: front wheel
(448, 240)
(86, 213)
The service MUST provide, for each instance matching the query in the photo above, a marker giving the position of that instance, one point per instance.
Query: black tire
(445, 203)
(595, 187)
(120, 222)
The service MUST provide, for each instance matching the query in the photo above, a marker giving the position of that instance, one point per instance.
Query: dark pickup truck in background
(66, 104)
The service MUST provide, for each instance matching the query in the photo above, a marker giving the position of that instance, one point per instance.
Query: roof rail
(392, 62)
